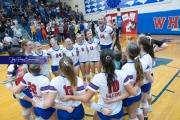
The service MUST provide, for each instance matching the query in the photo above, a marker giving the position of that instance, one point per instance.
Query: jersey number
(91, 48)
(82, 49)
(58, 55)
(68, 90)
(32, 88)
(102, 36)
(114, 87)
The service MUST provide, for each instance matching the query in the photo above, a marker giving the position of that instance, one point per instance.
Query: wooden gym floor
(165, 89)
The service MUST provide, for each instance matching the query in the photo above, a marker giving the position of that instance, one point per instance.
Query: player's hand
(65, 98)
(140, 83)
(70, 109)
(106, 111)
(108, 101)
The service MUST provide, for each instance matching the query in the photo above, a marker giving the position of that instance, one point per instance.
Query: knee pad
(149, 96)
(145, 105)
(84, 76)
(39, 118)
(133, 118)
(25, 112)
(138, 111)
(93, 74)
(87, 75)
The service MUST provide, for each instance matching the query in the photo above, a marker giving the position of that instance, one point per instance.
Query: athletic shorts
(102, 47)
(24, 103)
(44, 113)
(77, 114)
(129, 101)
(146, 87)
(54, 68)
(76, 64)
(116, 116)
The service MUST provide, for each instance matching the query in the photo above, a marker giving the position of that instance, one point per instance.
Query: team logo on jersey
(102, 36)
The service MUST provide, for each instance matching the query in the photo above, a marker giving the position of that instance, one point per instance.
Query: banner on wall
(110, 17)
(129, 22)
(93, 6)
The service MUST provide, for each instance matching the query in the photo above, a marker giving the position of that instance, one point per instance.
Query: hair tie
(107, 57)
(136, 57)
(66, 63)
(150, 38)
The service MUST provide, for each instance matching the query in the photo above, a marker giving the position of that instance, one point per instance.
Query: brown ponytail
(133, 51)
(66, 66)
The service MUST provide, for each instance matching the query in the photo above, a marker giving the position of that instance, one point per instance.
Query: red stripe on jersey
(52, 88)
(126, 79)
(80, 88)
(93, 86)
(44, 88)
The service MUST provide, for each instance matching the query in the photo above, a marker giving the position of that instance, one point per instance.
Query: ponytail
(138, 68)
(133, 51)
(147, 43)
(66, 66)
(107, 59)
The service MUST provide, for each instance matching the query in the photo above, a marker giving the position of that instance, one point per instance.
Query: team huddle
(123, 79)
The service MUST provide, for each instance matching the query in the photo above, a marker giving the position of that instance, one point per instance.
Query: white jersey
(105, 35)
(56, 55)
(129, 69)
(62, 86)
(72, 53)
(147, 58)
(37, 84)
(10, 70)
(83, 52)
(94, 54)
(45, 66)
(99, 82)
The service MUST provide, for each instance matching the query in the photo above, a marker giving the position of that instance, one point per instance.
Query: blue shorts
(116, 116)
(54, 68)
(84, 62)
(146, 87)
(24, 103)
(102, 47)
(129, 101)
(76, 64)
(77, 114)
(44, 113)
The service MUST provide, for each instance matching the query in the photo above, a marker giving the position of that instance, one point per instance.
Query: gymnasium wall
(158, 17)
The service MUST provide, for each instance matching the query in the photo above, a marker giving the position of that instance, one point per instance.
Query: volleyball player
(55, 53)
(110, 84)
(39, 52)
(83, 58)
(94, 55)
(71, 52)
(106, 34)
(146, 54)
(27, 47)
(38, 86)
(18, 71)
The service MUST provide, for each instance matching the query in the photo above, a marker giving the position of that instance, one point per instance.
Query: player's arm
(132, 90)
(114, 40)
(121, 97)
(149, 77)
(15, 89)
(85, 97)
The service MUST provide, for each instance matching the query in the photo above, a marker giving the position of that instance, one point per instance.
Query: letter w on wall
(159, 22)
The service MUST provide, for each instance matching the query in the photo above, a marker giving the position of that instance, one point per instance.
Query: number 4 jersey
(37, 84)
(63, 87)
(99, 81)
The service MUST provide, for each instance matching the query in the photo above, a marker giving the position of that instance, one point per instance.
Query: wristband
(20, 95)
(8, 85)
(96, 107)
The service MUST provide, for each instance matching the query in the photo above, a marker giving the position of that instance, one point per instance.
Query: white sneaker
(150, 109)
